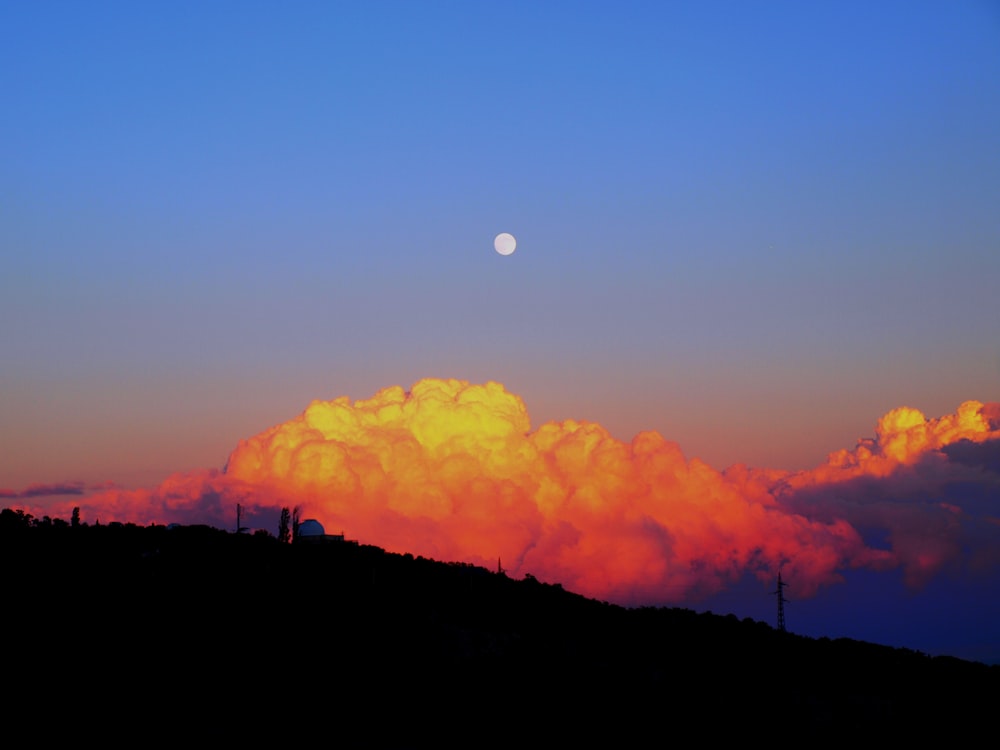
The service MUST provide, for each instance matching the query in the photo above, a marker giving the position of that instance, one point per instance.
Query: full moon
(504, 243)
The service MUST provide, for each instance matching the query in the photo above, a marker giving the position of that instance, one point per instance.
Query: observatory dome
(311, 527)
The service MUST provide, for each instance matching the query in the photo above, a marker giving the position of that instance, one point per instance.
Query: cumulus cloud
(454, 470)
(926, 489)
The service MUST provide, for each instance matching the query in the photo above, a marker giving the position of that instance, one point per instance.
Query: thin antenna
(239, 514)
(781, 603)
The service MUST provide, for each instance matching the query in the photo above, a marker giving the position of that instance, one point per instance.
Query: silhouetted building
(311, 531)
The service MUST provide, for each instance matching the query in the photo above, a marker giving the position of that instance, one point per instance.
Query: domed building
(311, 531)
(311, 528)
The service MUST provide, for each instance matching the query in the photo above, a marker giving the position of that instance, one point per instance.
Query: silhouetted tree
(74, 519)
(11, 518)
(295, 523)
(284, 532)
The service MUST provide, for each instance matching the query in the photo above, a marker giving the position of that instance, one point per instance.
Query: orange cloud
(453, 470)
(925, 485)
(903, 437)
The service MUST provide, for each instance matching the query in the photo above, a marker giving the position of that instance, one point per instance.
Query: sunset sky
(754, 228)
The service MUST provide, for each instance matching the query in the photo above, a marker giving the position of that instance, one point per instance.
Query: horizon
(450, 470)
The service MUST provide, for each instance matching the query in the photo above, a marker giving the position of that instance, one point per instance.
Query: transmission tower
(781, 603)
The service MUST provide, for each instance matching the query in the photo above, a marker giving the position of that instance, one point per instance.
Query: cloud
(925, 489)
(983, 455)
(46, 490)
(454, 470)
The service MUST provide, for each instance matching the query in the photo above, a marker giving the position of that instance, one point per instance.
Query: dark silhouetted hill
(135, 634)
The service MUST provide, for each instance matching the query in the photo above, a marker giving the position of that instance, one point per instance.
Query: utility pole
(781, 603)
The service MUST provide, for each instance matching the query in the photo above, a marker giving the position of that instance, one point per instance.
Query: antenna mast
(239, 519)
(781, 603)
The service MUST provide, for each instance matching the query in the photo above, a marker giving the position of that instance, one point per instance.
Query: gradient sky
(751, 227)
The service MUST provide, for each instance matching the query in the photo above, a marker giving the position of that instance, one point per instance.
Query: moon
(504, 243)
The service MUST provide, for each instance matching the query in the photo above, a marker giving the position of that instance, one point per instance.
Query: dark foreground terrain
(136, 635)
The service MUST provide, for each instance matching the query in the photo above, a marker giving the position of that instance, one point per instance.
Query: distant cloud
(46, 490)
(54, 490)
(925, 489)
(453, 470)
(985, 455)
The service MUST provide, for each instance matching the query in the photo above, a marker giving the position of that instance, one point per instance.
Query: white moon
(504, 243)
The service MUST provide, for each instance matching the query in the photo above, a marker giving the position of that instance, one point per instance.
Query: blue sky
(771, 207)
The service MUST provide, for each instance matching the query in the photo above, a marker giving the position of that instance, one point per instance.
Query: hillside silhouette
(129, 632)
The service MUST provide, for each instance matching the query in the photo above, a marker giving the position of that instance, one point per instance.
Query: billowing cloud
(926, 489)
(454, 471)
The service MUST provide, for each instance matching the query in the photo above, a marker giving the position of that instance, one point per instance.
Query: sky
(753, 228)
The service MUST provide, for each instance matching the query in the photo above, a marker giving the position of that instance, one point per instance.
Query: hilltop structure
(311, 531)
